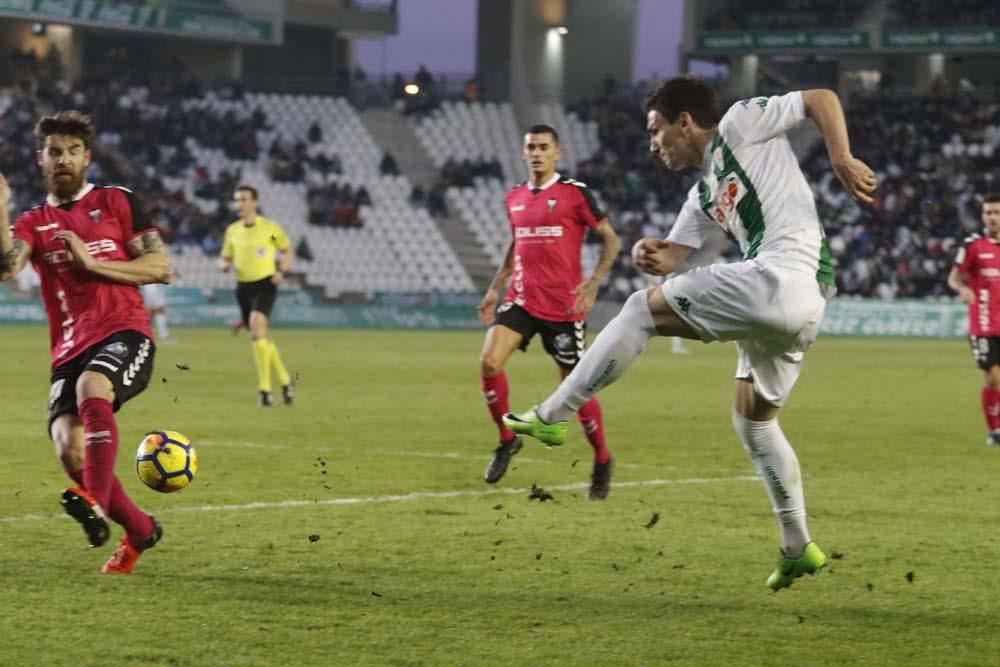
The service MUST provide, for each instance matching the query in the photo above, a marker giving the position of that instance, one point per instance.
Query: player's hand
(586, 295)
(858, 178)
(277, 277)
(649, 254)
(4, 192)
(76, 247)
(487, 307)
(967, 295)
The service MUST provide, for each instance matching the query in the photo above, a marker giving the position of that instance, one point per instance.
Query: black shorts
(565, 341)
(985, 350)
(125, 358)
(258, 295)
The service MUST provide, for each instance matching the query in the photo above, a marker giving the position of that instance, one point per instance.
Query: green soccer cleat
(790, 569)
(528, 423)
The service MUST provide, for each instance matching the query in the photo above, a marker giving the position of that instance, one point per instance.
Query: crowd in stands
(144, 132)
(786, 15)
(934, 157)
(336, 205)
(935, 14)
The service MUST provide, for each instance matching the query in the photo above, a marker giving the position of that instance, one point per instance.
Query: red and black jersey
(548, 224)
(979, 261)
(84, 308)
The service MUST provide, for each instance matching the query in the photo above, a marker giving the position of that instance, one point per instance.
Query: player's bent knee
(490, 365)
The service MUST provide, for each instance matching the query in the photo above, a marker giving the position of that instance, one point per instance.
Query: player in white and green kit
(771, 303)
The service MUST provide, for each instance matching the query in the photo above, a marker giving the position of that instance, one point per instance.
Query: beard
(62, 187)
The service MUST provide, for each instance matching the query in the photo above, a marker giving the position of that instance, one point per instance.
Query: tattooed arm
(149, 263)
(14, 253)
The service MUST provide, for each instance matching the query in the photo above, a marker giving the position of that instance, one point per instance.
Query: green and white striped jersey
(752, 187)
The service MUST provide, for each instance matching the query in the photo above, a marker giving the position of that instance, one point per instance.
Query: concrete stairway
(394, 135)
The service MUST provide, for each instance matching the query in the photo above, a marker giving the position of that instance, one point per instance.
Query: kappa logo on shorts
(118, 349)
(683, 303)
(136, 364)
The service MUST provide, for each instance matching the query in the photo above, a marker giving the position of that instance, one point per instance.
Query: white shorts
(773, 314)
(154, 295)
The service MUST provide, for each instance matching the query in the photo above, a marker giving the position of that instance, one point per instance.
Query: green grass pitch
(354, 528)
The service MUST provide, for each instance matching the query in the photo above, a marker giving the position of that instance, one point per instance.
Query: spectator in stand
(388, 166)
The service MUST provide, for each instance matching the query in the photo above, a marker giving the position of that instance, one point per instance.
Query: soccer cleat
(528, 423)
(993, 438)
(265, 400)
(288, 393)
(790, 569)
(501, 459)
(81, 506)
(600, 480)
(123, 559)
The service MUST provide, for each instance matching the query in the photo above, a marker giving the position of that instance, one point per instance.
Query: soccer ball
(166, 461)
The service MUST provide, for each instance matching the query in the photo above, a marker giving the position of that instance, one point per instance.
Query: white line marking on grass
(396, 452)
(406, 497)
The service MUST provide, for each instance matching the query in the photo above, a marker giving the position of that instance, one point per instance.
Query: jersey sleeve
(279, 238)
(24, 230)
(761, 118)
(588, 212)
(965, 260)
(692, 226)
(227, 244)
(132, 214)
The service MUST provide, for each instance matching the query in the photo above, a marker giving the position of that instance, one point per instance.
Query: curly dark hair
(70, 123)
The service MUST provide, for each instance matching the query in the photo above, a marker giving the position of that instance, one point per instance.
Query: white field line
(405, 497)
(402, 452)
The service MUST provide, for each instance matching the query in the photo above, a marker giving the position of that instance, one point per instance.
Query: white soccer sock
(160, 320)
(775, 461)
(613, 351)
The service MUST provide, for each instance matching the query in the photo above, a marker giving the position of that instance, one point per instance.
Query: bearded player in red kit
(549, 216)
(92, 247)
(976, 278)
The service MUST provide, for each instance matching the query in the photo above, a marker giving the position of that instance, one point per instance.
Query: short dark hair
(685, 93)
(249, 188)
(70, 123)
(991, 198)
(544, 129)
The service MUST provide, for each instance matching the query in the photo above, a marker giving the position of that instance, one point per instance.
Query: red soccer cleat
(123, 559)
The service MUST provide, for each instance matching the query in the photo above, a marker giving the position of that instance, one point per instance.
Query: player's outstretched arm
(14, 253)
(488, 305)
(150, 263)
(823, 106)
(586, 292)
(956, 281)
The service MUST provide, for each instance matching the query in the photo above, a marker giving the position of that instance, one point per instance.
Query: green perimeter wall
(189, 306)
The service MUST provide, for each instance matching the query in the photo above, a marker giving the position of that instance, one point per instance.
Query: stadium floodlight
(411, 89)
(562, 30)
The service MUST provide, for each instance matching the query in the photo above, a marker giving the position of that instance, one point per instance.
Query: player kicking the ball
(771, 303)
(549, 216)
(91, 247)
